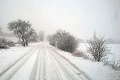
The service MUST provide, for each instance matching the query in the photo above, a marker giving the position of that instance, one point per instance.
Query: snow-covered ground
(114, 49)
(95, 70)
(41, 63)
(9, 56)
(54, 64)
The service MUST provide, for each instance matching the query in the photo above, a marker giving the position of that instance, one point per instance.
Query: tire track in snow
(9, 72)
(67, 73)
(68, 67)
(48, 65)
(24, 72)
(16, 62)
(81, 73)
(34, 69)
(41, 66)
(51, 70)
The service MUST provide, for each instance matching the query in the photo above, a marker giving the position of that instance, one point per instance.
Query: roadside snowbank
(95, 70)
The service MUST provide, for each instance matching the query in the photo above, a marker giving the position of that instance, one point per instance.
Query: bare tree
(22, 29)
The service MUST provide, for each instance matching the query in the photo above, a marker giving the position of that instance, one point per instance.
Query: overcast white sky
(79, 17)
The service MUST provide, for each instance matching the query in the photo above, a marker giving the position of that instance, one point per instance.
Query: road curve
(43, 62)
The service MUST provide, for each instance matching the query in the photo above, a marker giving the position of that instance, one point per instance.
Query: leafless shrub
(97, 48)
(114, 65)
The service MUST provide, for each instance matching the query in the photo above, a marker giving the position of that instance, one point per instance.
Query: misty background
(79, 17)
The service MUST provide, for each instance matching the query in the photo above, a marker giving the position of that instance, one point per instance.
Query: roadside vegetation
(113, 64)
(22, 30)
(66, 42)
(63, 40)
(96, 46)
(5, 44)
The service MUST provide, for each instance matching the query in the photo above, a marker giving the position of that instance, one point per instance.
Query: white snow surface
(9, 56)
(95, 70)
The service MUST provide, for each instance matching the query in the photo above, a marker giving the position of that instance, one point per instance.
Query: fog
(79, 17)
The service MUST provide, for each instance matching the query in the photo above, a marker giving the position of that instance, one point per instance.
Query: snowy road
(43, 62)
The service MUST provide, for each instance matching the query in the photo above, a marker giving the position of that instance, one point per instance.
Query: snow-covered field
(9, 56)
(93, 70)
(114, 49)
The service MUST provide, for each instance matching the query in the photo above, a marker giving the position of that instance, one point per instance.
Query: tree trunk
(23, 42)
(26, 42)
